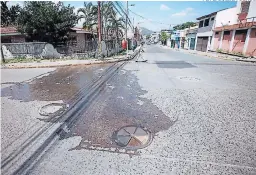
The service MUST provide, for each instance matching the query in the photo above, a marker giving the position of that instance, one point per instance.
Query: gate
(202, 43)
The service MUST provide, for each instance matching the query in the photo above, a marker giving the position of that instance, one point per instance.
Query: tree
(116, 23)
(164, 36)
(184, 25)
(108, 12)
(89, 14)
(9, 16)
(46, 21)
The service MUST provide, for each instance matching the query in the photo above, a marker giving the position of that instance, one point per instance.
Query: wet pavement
(117, 106)
(60, 84)
(200, 112)
(25, 91)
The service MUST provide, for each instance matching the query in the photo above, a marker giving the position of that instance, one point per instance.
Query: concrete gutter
(23, 159)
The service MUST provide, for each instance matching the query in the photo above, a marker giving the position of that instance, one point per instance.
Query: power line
(121, 13)
(129, 21)
(151, 20)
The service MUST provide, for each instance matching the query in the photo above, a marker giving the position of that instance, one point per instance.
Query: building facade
(82, 40)
(190, 38)
(205, 31)
(236, 34)
(11, 35)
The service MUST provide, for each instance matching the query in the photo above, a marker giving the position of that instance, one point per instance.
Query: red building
(238, 33)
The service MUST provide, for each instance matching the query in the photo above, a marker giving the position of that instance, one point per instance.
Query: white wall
(227, 17)
(238, 7)
(252, 10)
(209, 33)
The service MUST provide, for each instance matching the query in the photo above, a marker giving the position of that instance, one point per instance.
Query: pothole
(186, 78)
(132, 137)
(53, 109)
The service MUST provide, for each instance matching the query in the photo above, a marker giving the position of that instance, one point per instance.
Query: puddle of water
(60, 84)
(107, 113)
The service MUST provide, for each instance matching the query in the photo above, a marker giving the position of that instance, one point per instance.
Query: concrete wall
(238, 7)
(226, 17)
(252, 10)
(209, 33)
(238, 45)
(251, 48)
(47, 51)
(32, 49)
(216, 42)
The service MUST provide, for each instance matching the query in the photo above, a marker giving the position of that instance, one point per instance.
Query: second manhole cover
(53, 109)
(132, 137)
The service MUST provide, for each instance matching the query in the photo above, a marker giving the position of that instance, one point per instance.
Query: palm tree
(108, 12)
(116, 23)
(89, 14)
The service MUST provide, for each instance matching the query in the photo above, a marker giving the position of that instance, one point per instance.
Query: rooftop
(81, 30)
(209, 15)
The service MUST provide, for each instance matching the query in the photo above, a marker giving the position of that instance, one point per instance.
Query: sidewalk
(60, 63)
(215, 55)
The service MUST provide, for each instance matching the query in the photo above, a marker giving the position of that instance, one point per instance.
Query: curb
(58, 64)
(63, 64)
(245, 60)
(22, 160)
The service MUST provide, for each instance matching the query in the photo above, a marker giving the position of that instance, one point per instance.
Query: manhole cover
(132, 137)
(53, 109)
(189, 78)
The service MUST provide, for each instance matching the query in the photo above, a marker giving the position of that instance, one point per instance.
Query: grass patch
(39, 60)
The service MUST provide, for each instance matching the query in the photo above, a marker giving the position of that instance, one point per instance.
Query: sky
(166, 12)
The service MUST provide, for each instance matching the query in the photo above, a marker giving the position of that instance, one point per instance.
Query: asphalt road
(25, 91)
(200, 111)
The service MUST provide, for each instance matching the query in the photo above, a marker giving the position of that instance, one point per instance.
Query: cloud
(185, 12)
(164, 7)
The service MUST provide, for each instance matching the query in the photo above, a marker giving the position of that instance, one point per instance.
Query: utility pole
(126, 38)
(99, 28)
(99, 22)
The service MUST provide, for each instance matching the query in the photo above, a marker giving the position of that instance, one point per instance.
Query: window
(226, 35)
(212, 18)
(201, 24)
(206, 22)
(241, 35)
(216, 33)
(226, 32)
